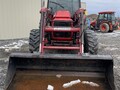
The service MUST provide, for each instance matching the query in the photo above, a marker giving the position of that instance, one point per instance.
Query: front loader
(62, 51)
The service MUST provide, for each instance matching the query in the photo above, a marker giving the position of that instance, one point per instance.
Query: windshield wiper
(57, 4)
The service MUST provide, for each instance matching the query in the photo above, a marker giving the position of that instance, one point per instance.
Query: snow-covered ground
(13, 45)
(109, 44)
(6, 47)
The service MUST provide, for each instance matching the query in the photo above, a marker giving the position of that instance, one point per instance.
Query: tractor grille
(62, 34)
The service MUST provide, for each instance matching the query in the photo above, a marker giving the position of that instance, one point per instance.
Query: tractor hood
(63, 15)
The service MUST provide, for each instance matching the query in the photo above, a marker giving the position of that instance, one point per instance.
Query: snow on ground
(112, 34)
(14, 45)
(3, 70)
(6, 47)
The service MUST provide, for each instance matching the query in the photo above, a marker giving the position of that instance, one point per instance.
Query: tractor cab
(108, 16)
(70, 5)
(62, 12)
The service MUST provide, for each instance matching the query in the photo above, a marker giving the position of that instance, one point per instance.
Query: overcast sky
(94, 6)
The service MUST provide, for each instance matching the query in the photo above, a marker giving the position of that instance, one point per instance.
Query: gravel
(3, 69)
(109, 44)
(6, 47)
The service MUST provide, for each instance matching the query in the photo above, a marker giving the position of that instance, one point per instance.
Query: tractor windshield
(70, 5)
(110, 16)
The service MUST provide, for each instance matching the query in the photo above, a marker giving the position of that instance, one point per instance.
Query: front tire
(90, 42)
(34, 40)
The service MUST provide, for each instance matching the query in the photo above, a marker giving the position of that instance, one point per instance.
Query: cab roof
(106, 12)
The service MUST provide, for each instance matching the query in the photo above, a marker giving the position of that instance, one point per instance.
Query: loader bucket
(35, 72)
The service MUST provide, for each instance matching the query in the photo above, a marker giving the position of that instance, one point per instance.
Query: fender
(111, 26)
(93, 23)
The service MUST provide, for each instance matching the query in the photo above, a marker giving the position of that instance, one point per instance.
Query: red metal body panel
(62, 47)
(111, 26)
(107, 12)
(61, 39)
(62, 14)
(93, 23)
(62, 19)
(48, 29)
(53, 29)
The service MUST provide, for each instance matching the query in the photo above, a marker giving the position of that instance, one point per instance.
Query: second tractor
(105, 22)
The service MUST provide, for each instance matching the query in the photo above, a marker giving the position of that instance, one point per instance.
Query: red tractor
(105, 22)
(62, 28)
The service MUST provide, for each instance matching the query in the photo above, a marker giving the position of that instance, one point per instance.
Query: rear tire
(90, 42)
(104, 27)
(34, 40)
